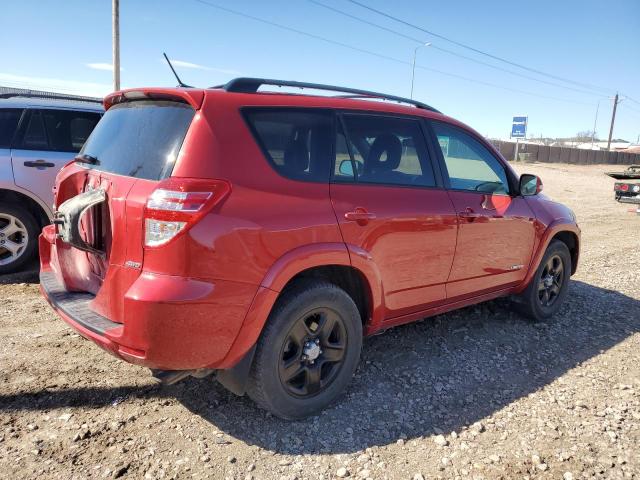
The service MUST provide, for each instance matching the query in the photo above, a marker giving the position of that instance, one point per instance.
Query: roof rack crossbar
(251, 85)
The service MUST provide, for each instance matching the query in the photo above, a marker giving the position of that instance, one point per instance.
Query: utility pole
(613, 119)
(115, 20)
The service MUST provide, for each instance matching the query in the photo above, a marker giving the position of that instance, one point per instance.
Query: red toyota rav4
(259, 236)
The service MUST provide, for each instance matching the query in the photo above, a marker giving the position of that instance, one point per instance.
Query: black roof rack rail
(251, 85)
(46, 95)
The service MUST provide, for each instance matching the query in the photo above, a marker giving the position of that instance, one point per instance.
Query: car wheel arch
(40, 211)
(319, 259)
(327, 261)
(571, 240)
(561, 230)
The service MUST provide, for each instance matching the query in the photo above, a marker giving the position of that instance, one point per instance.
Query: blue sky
(66, 45)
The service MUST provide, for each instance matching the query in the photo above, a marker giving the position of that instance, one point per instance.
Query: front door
(391, 209)
(496, 229)
(47, 140)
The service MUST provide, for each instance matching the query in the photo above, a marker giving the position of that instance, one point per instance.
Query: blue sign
(519, 127)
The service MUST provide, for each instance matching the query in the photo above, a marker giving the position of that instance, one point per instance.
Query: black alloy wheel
(550, 281)
(548, 288)
(313, 352)
(308, 350)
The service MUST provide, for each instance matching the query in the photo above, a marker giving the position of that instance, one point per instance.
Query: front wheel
(548, 288)
(308, 351)
(18, 237)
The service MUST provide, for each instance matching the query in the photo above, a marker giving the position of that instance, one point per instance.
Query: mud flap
(235, 379)
(67, 219)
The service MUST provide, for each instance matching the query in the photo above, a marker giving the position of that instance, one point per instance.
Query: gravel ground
(478, 393)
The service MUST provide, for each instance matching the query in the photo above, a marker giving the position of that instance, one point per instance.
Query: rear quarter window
(297, 143)
(9, 118)
(139, 139)
(67, 130)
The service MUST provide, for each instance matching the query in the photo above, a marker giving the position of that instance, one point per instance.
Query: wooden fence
(542, 153)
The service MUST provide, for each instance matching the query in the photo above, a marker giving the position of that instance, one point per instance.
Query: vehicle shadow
(442, 374)
(95, 397)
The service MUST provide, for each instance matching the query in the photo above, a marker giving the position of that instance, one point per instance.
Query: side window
(298, 144)
(386, 150)
(68, 130)
(35, 137)
(9, 118)
(469, 164)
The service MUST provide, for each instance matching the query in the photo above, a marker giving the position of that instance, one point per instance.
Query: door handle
(39, 164)
(360, 216)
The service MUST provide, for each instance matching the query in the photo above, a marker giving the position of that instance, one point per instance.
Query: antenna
(180, 84)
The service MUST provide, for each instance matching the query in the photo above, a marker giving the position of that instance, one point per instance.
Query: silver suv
(38, 136)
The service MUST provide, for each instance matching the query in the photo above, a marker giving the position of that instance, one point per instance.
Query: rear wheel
(308, 351)
(548, 288)
(18, 237)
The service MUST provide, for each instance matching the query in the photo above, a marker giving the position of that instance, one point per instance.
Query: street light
(413, 70)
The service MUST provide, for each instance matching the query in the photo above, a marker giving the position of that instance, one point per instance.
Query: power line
(450, 52)
(468, 47)
(627, 97)
(294, 30)
(454, 75)
(379, 55)
(631, 109)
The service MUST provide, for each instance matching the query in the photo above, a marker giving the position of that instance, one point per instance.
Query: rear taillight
(159, 232)
(177, 204)
(621, 187)
(169, 200)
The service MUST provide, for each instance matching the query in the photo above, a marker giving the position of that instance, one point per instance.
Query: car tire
(548, 288)
(18, 226)
(308, 351)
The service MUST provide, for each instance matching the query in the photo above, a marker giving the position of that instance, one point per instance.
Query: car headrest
(296, 157)
(385, 143)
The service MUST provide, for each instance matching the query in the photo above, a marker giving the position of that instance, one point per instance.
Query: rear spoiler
(193, 97)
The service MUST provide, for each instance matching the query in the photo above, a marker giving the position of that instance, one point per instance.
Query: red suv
(259, 236)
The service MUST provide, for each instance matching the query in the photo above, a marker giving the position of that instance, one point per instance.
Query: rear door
(392, 209)
(47, 140)
(134, 146)
(497, 230)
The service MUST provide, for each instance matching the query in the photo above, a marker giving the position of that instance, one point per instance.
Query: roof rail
(25, 93)
(251, 85)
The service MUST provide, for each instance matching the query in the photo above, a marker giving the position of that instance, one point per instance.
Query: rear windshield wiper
(86, 158)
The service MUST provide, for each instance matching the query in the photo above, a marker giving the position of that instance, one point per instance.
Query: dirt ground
(478, 393)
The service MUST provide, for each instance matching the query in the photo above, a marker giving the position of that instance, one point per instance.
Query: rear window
(139, 139)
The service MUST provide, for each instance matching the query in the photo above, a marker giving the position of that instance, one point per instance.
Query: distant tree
(583, 136)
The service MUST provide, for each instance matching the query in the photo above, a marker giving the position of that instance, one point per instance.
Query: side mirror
(346, 168)
(530, 185)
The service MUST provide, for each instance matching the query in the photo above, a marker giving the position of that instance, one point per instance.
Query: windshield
(139, 139)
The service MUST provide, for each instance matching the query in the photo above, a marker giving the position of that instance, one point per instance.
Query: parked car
(37, 137)
(259, 236)
(627, 191)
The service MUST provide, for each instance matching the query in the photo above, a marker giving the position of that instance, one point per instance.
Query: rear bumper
(168, 322)
(633, 200)
(74, 309)
(74, 305)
